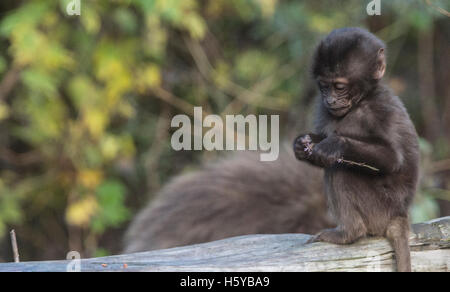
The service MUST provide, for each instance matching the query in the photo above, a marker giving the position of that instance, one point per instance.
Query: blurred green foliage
(84, 132)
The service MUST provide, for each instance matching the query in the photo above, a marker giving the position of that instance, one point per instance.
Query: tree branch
(429, 242)
(9, 81)
(14, 246)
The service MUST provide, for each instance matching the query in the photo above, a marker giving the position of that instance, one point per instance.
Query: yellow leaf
(125, 109)
(90, 178)
(4, 111)
(221, 74)
(267, 7)
(195, 25)
(81, 212)
(110, 147)
(152, 76)
(90, 20)
(148, 77)
(95, 121)
(321, 23)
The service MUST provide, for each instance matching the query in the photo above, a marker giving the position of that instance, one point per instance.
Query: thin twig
(153, 156)
(207, 70)
(439, 193)
(173, 100)
(180, 104)
(358, 164)
(309, 146)
(14, 246)
(437, 8)
(439, 166)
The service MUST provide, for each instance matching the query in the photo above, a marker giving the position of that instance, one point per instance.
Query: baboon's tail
(237, 195)
(398, 234)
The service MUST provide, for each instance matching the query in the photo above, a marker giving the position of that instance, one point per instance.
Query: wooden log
(429, 241)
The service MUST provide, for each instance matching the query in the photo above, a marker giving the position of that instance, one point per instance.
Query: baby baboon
(364, 140)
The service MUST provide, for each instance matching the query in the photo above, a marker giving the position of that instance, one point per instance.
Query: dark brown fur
(235, 196)
(363, 123)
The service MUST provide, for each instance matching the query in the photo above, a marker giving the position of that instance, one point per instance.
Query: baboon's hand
(328, 151)
(303, 147)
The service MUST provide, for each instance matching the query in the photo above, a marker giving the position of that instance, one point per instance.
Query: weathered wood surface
(430, 251)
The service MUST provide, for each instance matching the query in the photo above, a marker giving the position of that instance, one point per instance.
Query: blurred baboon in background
(235, 196)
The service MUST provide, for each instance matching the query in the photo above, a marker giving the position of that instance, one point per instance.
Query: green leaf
(147, 5)
(126, 20)
(424, 208)
(27, 15)
(101, 252)
(254, 65)
(39, 81)
(110, 196)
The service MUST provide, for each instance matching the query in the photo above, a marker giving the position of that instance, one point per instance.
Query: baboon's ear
(381, 65)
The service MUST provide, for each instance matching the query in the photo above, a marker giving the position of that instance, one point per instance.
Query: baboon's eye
(339, 86)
